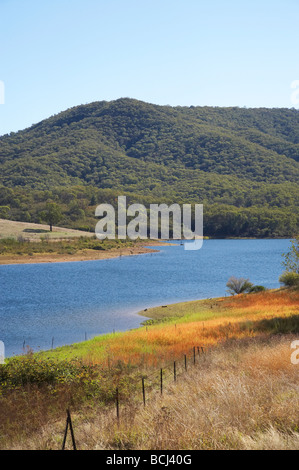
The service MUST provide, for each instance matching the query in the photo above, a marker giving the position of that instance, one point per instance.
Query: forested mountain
(234, 160)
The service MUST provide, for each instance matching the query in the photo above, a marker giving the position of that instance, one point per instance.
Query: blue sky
(55, 54)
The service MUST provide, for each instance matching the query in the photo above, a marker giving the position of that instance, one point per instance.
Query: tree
(291, 259)
(4, 212)
(238, 285)
(290, 277)
(52, 214)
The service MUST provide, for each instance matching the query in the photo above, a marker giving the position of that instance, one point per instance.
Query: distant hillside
(237, 157)
(130, 137)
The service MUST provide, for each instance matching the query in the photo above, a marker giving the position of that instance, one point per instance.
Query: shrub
(289, 279)
(238, 285)
(29, 369)
(254, 289)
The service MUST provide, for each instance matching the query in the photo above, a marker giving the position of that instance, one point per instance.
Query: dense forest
(242, 164)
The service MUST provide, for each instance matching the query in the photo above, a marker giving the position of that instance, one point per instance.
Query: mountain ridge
(232, 157)
(179, 136)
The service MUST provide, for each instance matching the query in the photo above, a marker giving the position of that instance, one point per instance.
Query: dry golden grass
(34, 232)
(242, 395)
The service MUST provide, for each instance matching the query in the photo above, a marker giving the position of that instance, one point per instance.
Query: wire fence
(155, 381)
(168, 373)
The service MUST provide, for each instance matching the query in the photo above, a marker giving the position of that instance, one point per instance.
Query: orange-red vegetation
(233, 317)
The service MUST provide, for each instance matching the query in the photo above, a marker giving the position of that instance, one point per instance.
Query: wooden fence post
(143, 391)
(117, 405)
(161, 381)
(69, 425)
(174, 371)
(185, 361)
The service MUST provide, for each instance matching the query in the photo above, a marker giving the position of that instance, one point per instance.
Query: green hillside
(243, 164)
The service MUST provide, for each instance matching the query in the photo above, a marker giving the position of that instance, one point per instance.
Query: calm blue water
(65, 301)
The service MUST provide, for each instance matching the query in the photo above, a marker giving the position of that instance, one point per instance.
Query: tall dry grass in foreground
(243, 394)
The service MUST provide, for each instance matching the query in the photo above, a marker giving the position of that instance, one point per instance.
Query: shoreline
(86, 255)
(140, 248)
(158, 316)
(161, 315)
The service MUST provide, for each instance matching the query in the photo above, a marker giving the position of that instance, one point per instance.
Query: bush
(28, 369)
(238, 285)
(289, 279)
(255, 289)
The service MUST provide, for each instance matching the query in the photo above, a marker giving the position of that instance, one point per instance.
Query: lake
(66, 302)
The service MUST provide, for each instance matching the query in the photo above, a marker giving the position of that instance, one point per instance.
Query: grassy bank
(241, 393)
(174, 328)
(67, 247)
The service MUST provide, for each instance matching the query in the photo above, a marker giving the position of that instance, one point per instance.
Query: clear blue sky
(55, 54)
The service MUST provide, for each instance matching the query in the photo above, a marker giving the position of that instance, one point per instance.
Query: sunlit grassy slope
(177, 328)
(35, 232)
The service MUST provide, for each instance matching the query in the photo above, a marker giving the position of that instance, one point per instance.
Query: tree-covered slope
(86, 142)
(245, 161)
